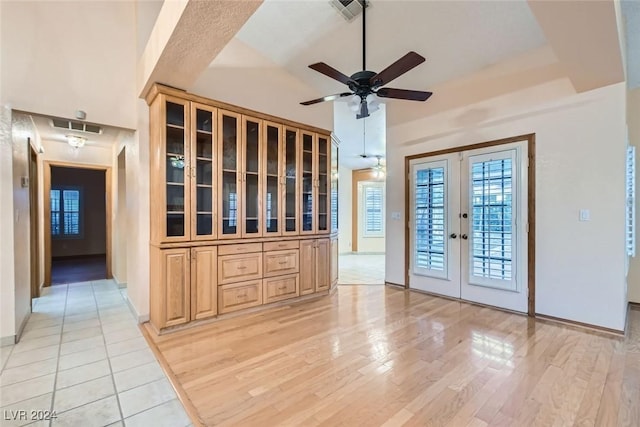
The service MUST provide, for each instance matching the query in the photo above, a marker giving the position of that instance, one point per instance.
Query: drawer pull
(282, 288)
(241, 296)
(242, 267)
(283, 262)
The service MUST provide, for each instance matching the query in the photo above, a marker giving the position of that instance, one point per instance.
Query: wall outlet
(24, 181)
(396, 216)
(585, 215)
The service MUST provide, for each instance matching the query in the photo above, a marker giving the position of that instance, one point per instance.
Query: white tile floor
(83, 357)
(355, 269)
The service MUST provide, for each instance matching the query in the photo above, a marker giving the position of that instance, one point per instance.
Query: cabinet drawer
(277, 263)
(243, 248)
(239, 295)
(238, 268)
(278, 246)
(280, 288)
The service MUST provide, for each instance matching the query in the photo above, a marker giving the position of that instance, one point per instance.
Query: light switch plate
(585, 215)
(395, 216)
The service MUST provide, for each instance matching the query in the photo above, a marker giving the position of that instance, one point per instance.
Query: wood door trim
(47, 213)
(531, 208)
(34, 223)
(357, 176)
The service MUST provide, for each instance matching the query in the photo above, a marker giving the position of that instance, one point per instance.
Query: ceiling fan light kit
(366, 86)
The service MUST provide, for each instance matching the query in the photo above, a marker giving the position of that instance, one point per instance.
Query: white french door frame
(524, 152)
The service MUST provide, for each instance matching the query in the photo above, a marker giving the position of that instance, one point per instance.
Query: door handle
(464, 237)
(453, 235)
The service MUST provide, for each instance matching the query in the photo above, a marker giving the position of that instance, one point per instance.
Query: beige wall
(344, 209)
(7, 289)
(119, 264)
(136, 146)
(633, 123)
(580, 164)
(56, 59)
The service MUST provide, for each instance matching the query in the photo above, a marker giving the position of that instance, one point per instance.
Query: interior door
(493, 227)
(434, 207)
(468, 226)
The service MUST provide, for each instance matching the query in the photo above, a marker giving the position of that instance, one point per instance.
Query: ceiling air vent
(78, 126)
(349, 9)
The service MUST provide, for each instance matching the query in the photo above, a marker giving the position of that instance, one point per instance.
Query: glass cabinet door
(271, 200)
(334, 186)
(203, 170)
(252, 135)
(322, 182)
(229, 174)
(308, 183)
(291, 175)
(177, 172)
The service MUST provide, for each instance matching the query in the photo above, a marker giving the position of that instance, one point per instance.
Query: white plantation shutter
(631, 201)
(373, 205)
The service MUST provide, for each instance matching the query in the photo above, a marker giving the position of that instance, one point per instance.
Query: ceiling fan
(365, 83)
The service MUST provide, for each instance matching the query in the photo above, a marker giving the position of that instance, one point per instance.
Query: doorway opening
(471, 223)
(77, 232)
(365, 264)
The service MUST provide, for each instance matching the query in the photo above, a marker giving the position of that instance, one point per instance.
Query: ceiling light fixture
(378, 170)
(76, 141)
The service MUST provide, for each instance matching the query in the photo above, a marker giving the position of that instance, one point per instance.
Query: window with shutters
(373, 203)
(631, 201)
(66, 212)
(429, 204)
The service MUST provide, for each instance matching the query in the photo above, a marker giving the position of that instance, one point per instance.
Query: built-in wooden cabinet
(204, 289)
(243, 206)
(314, 265)
(184, 285)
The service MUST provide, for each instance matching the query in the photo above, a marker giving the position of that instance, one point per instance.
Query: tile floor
(356, 269)
(83, 356)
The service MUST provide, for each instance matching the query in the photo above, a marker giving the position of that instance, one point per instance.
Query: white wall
(7, 290)
(580, 157)
(345, 180)
(61, 56)
(633, 123)
(120, 231)
(136, 146)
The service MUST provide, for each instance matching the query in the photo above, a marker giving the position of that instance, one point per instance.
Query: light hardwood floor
(374, 355)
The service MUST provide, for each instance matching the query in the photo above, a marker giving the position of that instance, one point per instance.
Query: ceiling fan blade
(411, 95)
(329, 71)
(327, 98)
(398, 68)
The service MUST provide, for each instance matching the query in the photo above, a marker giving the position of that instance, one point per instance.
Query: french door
(468, 225)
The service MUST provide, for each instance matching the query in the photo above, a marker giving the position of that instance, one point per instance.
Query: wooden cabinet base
(232, 314)
(238, 296)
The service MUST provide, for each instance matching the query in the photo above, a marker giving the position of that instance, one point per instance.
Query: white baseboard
(120, 283)
(140, 318)
(8, 340)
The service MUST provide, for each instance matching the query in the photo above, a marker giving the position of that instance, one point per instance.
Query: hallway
(83, 357)
(78, 269)
(356, 269)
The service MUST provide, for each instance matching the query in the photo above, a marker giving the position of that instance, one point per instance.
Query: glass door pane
(229, 174)
(203, 151)
(491, 222)
(323, 183)
(271, 200)
(307, 183)
(177, 170)
(291, 181)
(252, 136)
(429, 221)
